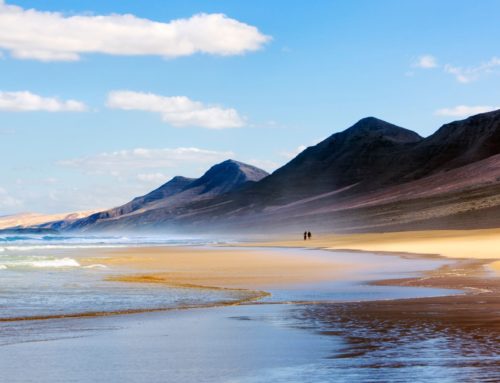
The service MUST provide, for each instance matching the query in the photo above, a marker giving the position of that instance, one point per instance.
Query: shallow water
(376, 347)
(244, 344)
(43, 276)
(42, 279)
(353, 284)
(213, 345)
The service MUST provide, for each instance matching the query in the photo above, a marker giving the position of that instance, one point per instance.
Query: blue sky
(92, 122)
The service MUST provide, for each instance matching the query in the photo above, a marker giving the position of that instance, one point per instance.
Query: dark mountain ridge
(364, 165)
(457, 144)
(361, 153)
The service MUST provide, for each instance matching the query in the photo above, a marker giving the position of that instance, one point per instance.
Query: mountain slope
(372, 175)
(456, 144)
(362, 167)
(171, 197)
(361, 154)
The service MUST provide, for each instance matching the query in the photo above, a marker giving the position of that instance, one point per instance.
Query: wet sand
(477, 255)
(255, 270)
(476, 310)
(240, 275)
(440, 339)
(456, 337)
(475, 271)
(447, 338)
(199, 267)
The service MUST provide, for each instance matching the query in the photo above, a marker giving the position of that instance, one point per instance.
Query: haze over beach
(225, 191)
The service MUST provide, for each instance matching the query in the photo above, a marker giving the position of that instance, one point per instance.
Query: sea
(185, 335)
(43, 276)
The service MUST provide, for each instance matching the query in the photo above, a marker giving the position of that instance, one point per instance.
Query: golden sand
(234, 267)
(222, 267)
(478, 244)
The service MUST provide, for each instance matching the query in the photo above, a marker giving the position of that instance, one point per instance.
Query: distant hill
(171, 198)
(371, 176)
(30, 219)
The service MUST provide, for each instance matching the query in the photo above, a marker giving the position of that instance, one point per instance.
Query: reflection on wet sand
(455, 338)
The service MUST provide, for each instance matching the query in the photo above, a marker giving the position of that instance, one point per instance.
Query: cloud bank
(137, 161)
(178, 111)
(29, 102)
(52, 36)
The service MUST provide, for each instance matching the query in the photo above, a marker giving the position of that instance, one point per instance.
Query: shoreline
(375, 338)
(242, 276)
(252, 295)
(454, 244)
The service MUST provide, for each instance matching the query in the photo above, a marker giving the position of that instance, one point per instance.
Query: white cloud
(136, 161)
(178, 111)
(29, 102)
(426, 62)
(462, 74)
(470, 74)
(7, 201)
(465, 110)
(52, 36)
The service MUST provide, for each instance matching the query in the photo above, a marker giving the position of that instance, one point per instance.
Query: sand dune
(30, 219)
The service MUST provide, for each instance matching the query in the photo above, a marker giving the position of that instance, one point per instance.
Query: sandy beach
(475, 271)
(337, 315)
(477, 244)
(223, 267)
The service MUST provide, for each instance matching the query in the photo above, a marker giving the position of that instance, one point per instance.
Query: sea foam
(41, 263)
(55, 263)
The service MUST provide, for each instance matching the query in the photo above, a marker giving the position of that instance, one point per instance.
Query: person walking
(309, 235)
(305, 235)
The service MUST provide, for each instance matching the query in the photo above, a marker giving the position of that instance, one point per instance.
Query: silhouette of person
(305, 235)
(309, 235)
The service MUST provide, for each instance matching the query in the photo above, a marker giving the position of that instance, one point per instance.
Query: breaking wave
(41, 263)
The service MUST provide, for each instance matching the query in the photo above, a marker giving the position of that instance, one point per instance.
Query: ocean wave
(55, 247)
(42, 263)
(15, 238)
(56, 263)
(98, 241)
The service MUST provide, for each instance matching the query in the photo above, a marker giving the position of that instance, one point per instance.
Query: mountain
(457, 144)
(371, 176)
(172, 187)
(360, 155)
(375, 176)
(228, 176)
(172, 197)
(373, 154)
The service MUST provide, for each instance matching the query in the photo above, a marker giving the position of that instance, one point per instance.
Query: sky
(102, 101)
